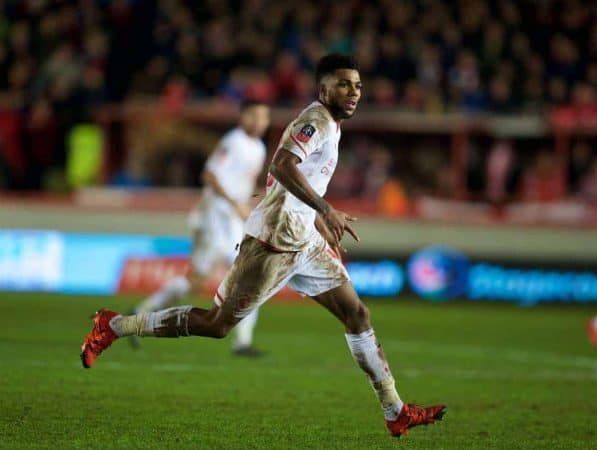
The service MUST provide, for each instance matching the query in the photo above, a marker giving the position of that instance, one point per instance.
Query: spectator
(580, 164)
(41, 141)
(588, 185)
(59, 60)
(392, 200)
(285, 76)
(544, 180)
(481, 46)
(502, 172)
(465, 83)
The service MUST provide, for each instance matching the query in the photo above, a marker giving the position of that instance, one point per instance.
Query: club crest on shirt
(306, 133)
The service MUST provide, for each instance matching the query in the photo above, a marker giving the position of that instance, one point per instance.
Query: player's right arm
(217, 167)
(210, 179)
(284, 169)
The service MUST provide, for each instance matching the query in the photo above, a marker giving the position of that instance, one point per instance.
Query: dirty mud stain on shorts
(330, 265)
(254, 274)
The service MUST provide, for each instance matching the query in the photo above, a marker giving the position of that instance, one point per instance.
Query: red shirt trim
(298, 145)
(220, 297)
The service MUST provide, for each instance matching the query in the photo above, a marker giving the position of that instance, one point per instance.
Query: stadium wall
(50, 259)
(549, 246)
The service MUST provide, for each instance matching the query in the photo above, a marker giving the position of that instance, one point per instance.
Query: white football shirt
(236, 162)
(281, 220)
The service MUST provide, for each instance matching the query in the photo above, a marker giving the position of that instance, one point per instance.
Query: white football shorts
(216, 238)
(259, 272)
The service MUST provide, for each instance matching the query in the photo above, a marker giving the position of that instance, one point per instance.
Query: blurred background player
(217, 222)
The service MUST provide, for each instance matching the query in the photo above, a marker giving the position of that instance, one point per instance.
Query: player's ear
(322, 91)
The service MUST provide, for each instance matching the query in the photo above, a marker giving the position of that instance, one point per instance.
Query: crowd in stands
(499, 56)
(496, 173)
(59, 59)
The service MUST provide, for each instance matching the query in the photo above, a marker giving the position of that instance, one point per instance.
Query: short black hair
(250, 102)
(332, 62)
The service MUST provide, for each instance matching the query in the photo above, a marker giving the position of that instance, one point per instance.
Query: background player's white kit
(216, 226)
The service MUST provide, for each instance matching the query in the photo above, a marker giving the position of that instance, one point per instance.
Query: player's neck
(247, 133)
(334, 115)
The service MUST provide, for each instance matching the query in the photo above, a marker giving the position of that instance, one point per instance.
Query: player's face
(255, 120)
(341, 92)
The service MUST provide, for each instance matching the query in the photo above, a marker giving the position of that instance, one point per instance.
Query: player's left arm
(216, 167)
(211, 179)
(325, 232)
(284, 169)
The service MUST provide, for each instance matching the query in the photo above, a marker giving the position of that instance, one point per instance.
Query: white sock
(243, 336)
(171, 322)
(366, 351)
(172, 291)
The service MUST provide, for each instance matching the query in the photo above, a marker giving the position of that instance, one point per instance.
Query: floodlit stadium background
(476, 132)
(471, 161)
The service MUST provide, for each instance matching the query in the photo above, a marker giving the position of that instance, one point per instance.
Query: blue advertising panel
(75, 262)
(31, 260)
(529, 287)
(440, 273)
(93, 264)
(376, 279)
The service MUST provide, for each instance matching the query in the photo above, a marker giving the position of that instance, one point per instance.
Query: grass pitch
(512, 378)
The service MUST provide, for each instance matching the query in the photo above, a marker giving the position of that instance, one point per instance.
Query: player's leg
(242, 344)
(322, 276)
(202, 261)
(344, 303)
(168, 294)
(171, 322)
(171, 292)
(185, 320)
(256, 275)
(179, 321)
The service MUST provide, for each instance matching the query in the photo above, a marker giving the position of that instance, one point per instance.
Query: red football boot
(99, 339)
(412, 416)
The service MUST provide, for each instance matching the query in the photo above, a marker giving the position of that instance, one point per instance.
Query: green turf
(511, 377)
